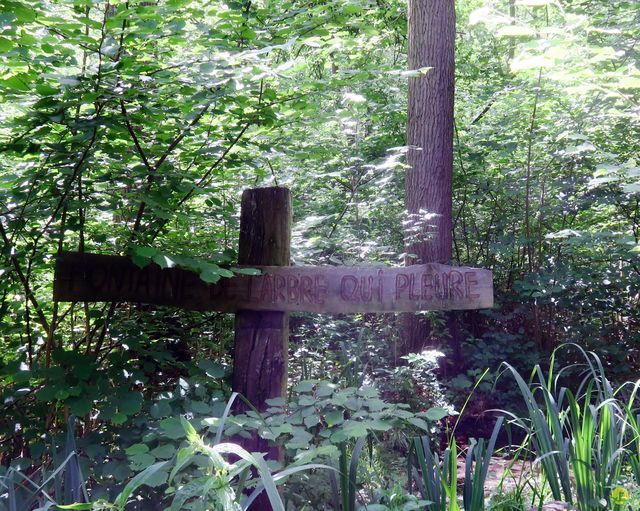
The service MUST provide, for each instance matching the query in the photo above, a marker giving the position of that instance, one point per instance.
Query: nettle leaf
(136, 449)
(130, 403)
(164, 451)
(172, 428)
(306, 386)
(141, 461)
(354, 429)
(437, 413)
(118, 418)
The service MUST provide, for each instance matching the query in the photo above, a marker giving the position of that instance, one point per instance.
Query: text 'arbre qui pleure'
(326, 289)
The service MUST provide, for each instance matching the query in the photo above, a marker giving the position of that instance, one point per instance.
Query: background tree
(428, 185)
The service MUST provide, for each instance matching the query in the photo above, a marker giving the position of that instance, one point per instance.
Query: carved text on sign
(327, 289)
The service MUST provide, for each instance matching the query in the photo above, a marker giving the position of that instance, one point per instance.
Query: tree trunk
(428, 185)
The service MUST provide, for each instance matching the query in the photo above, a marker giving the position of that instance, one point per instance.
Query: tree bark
(261, 338)
(428, 184)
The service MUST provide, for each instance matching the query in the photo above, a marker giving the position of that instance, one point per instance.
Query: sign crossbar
(319, 289)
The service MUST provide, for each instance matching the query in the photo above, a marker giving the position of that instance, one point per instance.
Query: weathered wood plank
(321, 289)
(262, 337)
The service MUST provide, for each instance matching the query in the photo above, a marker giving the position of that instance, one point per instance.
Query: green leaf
(172, 428)
(306, 385)
(144, 251)
(140, 261)
(141, 461)
(24, 14)
(210, 276)
(163, 261)
(118, 418)
(629, 82)
(62, 394)
(247, 271)
(311, 420)
(17, 82)
(80, 406)
(335, 417)
(379, 425)
(223, 272)
(418, 422)
(436, 413)
(164, 451)
(213, 369)
(130, 403)
(354, 429)
(136, 449)
(5, 44)
(191, 433)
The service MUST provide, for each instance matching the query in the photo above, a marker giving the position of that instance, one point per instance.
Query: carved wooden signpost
(322, 289)
(261, 302)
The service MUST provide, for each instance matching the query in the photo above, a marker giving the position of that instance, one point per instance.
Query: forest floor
(502, 470)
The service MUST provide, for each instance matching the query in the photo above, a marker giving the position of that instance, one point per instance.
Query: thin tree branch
(24, 281)
(154, 168)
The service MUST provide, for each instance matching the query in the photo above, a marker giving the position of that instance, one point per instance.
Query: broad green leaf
(163, 261)
(437, 413)
(144, 251)
(6, 44)
(136, 449)
(20, 82)
(210, 276)
(141, 461)
(418, 422)
(172, 428)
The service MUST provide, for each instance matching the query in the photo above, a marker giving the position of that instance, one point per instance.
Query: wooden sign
(321, 289)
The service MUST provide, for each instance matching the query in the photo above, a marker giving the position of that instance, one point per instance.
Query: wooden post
(261, 337)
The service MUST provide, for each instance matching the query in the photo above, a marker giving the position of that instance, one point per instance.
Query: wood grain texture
(262, 337)
(320, 289)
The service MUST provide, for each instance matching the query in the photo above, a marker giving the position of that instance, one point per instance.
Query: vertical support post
(261, 338)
